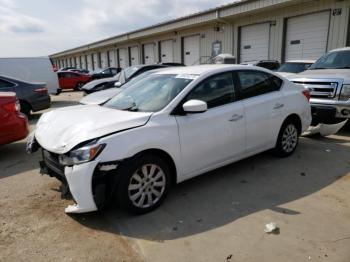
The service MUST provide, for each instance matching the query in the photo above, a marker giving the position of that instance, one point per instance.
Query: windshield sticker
(187, 76)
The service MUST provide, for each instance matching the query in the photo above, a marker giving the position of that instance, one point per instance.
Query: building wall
(226, 30)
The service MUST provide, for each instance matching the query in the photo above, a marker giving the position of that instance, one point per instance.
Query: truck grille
(320, 89)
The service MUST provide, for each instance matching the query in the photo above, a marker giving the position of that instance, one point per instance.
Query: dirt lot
(219, 216)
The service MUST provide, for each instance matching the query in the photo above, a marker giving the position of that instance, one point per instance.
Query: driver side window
(215, 91)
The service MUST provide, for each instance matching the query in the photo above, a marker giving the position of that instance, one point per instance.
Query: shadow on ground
(227, 194)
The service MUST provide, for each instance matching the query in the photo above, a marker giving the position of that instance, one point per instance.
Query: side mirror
(117, 84)
(195, 106)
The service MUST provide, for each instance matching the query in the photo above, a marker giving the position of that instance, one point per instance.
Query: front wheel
(144, 183)
(288, 139)
(79, 86)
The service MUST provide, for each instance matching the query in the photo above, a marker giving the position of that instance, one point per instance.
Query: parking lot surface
(219, 216)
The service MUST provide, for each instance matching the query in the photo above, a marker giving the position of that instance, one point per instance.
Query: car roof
(301, 61)
(341, 49)
(202, 69)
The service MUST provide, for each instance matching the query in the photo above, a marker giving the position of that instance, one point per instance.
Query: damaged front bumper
(77, 178)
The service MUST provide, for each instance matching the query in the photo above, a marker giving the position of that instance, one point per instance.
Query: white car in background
(292, 67)
(172, 125)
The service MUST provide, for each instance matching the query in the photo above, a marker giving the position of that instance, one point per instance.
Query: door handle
(235, 118)
(278, 106)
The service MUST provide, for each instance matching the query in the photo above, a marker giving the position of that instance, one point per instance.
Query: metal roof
(178, 23)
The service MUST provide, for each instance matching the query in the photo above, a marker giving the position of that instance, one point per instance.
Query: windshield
(333, 60)
(130, 71)
(294, 67)
(150, 94)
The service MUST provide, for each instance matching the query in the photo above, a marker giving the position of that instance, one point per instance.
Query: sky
(44, 27)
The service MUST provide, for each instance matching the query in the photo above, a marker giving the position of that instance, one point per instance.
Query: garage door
(95, 64)
(123, 59)
(83, 64)
(104, 61)
(134, 55)
(166, 51)
(254, 44)
(149, 54)
(111, 57)
(191, 50)
(306, 36)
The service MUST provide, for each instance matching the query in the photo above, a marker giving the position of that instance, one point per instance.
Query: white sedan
(172, 125)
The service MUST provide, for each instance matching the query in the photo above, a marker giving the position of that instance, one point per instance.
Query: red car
(13, 124)
(72, 80)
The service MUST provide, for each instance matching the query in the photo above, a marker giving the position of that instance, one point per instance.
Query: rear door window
(255, 83)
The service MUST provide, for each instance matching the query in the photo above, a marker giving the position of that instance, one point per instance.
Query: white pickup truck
(328, 81)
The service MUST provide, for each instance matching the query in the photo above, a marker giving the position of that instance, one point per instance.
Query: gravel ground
(219, 216)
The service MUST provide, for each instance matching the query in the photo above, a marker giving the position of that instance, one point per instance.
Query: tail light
(12, 107)
(41, 90)
(306, 93)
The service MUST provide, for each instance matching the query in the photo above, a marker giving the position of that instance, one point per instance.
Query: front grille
(52, 162)
(320, 89)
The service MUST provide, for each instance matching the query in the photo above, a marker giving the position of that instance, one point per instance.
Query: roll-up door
(149, 54)
(166, 51)
(123, 59)
(134, 55)
(191, 50)
(307, 36)
(254, 45)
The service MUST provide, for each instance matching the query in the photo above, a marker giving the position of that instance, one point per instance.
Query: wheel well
(296, 120)
(166, 157)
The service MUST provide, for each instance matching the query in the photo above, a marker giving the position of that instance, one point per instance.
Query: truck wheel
(144, 183)
(25, 108)
(288, 139)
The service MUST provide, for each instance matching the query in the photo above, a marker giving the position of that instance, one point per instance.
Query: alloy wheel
(289, 138)
(147, 186)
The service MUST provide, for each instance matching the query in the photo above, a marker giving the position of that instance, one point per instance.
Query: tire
(138, 193)
(79, 86)
(288, 139)
(25, 108)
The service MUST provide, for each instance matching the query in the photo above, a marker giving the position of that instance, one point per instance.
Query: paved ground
(219, 216)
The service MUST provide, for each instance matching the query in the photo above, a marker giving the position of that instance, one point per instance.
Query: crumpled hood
(60, 130)
(96, 82)
(100, 97)
(324, 73)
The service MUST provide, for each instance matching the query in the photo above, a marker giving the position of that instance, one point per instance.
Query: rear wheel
(288, 139)
(144, 183)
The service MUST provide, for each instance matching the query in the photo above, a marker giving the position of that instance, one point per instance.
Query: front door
(216, 136)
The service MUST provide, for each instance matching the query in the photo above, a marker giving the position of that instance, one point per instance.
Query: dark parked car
(268, 64)
(104, 73)
(124, 76)
(32, 96)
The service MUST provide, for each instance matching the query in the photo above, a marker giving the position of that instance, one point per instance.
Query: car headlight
(81, 155)
(345, 93)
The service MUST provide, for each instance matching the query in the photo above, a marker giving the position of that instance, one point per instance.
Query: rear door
(263, 107)
(216, 136)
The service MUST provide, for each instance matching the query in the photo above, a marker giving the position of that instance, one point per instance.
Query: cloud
(47, 27)
(12, 21)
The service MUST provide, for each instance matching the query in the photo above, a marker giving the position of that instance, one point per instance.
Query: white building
(250, 30)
